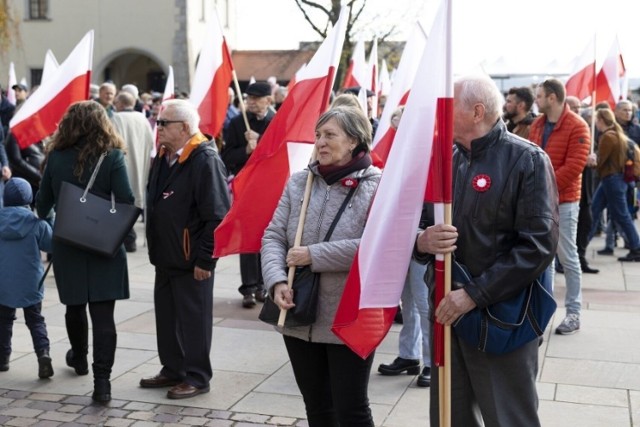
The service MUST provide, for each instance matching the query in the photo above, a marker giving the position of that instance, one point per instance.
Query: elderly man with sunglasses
(187, 198)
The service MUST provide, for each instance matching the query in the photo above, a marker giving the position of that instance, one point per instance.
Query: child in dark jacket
(22, 237)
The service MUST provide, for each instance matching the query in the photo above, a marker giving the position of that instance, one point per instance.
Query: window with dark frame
(38, 9)
(36, 76)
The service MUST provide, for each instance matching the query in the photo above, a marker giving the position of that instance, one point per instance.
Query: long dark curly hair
(86, 127)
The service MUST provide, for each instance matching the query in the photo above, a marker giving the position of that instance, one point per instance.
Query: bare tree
(321, 15)
(9, 26)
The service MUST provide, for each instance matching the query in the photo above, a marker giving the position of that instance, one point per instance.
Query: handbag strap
(339, 214)
(93, 177)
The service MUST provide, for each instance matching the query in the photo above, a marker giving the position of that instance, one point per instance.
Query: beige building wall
(132, 37)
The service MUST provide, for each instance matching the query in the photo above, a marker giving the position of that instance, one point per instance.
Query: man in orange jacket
(564, 136)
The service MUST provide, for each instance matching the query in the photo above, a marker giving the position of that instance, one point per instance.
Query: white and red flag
(11, 94)
(284, 148)
(581, 82)
(384, 88)
(357, 73)
(295, 78)
(39, 115)
(210, 88)
(404, 77)
(169, 93)
(611, 78)
(373, 72)
(49, 67)
(377, 276)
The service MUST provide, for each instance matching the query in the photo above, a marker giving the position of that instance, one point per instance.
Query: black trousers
(184, 326)
(250, 273)
(103, 328)
(333, 381)
(35, 322)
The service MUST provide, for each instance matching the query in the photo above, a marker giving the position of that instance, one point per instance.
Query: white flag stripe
(317, 67)
(387, 242)
(77, 64)
(49, 67)
(210, 60)
(403, 78)
(11, 94)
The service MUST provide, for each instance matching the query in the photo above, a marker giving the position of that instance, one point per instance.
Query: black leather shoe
(633, 255)
(399, 366)
(79, 364)
(605, 251)
(261, 295)
(586, 269)
(4, 363)
(158, 381)
(184, 391)
(45, 370)
(248, 301)
(424, 379)
(101, 390)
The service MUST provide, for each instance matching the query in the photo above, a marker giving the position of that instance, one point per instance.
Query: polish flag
(403, 80)
(357, 73)
(611, 77)
(211, 80)
(49, 67)
(11, 94)
(581, 83)
(41, 112)
(377, 276)
(285, 148)
(384, 88)
(373, 72)
(169, 93)
(295, 78)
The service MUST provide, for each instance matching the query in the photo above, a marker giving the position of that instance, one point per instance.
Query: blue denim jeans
(414, 335)
(612, 194)
(568, 255)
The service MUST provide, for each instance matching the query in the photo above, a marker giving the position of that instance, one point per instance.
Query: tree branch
(299, 3)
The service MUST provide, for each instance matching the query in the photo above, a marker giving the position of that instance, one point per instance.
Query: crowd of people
(550, 182)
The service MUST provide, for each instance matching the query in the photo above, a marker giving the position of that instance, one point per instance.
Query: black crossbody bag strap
(339, 214)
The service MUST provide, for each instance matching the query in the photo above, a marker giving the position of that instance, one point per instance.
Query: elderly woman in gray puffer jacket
(332, 379)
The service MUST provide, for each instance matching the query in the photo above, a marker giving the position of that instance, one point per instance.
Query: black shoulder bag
(305, 288)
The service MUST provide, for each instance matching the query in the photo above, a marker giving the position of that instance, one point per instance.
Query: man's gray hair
(480, 90)
(186, 111)
(624, 102)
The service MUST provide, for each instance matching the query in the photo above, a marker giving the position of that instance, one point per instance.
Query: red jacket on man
(568, 147)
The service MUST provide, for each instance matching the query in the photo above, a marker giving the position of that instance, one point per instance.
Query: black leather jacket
(507, 234)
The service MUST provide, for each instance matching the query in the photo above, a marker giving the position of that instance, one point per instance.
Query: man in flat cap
(239, 145)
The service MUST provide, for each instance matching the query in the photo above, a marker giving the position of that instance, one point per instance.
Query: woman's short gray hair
(353, 122)
(186, 111)
(480, 90)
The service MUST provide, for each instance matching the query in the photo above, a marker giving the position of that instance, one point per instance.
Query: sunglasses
(163, 123)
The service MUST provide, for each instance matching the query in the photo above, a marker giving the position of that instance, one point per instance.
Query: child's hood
(16, 222)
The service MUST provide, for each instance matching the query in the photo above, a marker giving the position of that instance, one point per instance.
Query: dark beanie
(17, 192)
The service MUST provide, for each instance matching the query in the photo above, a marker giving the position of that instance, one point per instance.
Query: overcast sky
(523, 34)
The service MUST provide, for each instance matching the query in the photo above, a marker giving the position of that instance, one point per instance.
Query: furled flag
(11, 94)
(611, 78)
(169, 93)
(284, 148)
(357, 74)
(373, 72)
(403, 80)
(384, 88)
(211, 80)
(379, 269)
(581, 82)
(41, 112)
(49, 67)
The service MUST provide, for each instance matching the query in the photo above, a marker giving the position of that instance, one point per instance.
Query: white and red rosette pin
(349, 182)
(481, 183)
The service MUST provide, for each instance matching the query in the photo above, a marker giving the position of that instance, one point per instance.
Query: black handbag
(92, 222)
(305, 287)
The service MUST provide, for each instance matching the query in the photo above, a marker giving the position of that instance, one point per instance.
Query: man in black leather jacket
(505, 231)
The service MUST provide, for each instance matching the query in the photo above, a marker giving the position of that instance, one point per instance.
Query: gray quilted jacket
(331, 259)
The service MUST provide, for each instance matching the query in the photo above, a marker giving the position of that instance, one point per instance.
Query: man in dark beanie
(22, 237)
(239, 145)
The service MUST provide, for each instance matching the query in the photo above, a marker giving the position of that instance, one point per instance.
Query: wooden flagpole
(243, 109)
(298, 239)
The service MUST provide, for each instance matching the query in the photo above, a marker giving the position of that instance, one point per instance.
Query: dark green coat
(81, 276)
